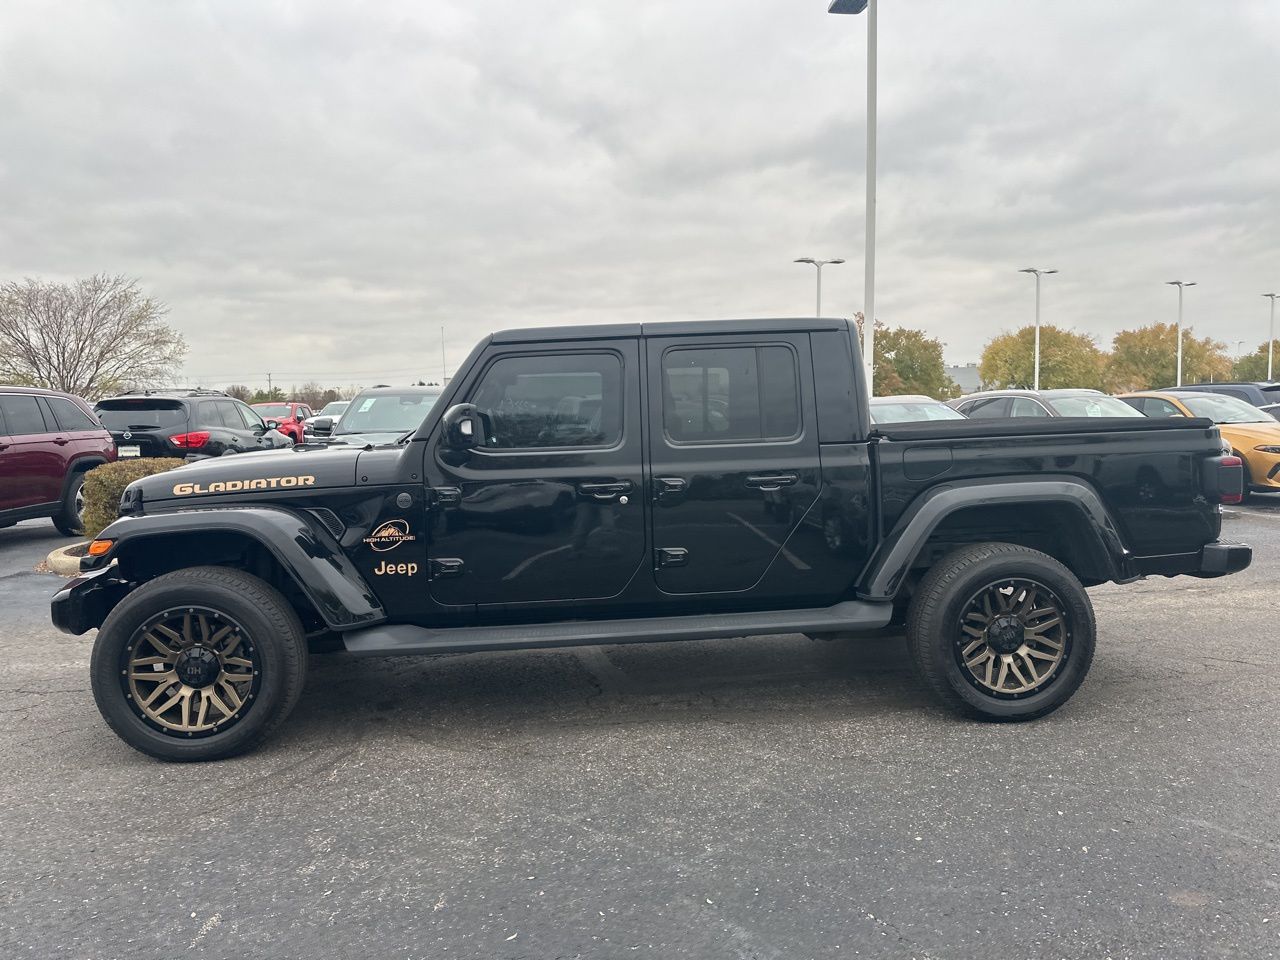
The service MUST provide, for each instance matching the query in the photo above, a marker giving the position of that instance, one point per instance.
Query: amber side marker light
(100, 547)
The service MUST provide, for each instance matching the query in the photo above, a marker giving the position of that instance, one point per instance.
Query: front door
(735, 462)
(549, 506)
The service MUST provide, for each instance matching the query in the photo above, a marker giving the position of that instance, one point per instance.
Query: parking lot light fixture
(819, 264)
(869, 257)
(1271, 332)
(1180, 284)
(1038, 274)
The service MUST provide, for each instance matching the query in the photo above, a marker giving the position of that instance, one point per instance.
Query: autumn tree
(1067, 359)
(915, 360)
(90, 337)
(1147, 358)
(1253, 366)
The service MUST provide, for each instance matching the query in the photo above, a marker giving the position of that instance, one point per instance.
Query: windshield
(273, 411)
(1222, 409)
(145, 413)
(334, 408)
(1091, 407)
(913, 411)
(386, 412)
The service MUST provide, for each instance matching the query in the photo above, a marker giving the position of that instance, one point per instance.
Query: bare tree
(310, 393)
(90, 337)
(239, 391)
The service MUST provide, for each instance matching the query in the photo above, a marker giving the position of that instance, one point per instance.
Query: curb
(64, 561)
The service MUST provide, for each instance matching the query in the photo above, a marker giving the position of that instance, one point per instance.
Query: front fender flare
(885, 573)
(304, 549)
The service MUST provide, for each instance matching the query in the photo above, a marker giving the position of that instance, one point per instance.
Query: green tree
(1147, 358)
(1067, 359)
(915, 360)
(1253, 366)
(274, 395)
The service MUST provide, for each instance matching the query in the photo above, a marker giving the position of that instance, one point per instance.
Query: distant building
(966, 375)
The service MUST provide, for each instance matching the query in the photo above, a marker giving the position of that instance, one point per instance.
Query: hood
(1246, 436)
(366, 439)
(258, 473)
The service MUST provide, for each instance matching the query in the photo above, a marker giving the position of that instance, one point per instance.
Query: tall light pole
(1038, 274)
(1180, 284)
(869, 289)
(1271, 331)
(819, 264)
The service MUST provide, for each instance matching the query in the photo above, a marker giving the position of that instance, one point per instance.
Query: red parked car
(48, 441)
(289, 415)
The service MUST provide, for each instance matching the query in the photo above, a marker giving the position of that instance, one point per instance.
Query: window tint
(21, 415)
(1026, 407)
(572, 400)
(70, 417)
(730, 393)
(1155, 407)
(142, 413)
(249, 418)
(990, 408)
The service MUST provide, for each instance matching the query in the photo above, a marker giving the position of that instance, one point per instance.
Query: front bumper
(84, 602)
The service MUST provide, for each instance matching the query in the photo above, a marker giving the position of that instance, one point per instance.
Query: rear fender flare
(306, 551)
(891, 563)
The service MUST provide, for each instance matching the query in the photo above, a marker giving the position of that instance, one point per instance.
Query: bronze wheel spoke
(178, 679)
(1011, 637)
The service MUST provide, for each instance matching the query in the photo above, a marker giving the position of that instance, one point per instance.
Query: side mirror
(273, 424)
(321, 426)
(463, 427)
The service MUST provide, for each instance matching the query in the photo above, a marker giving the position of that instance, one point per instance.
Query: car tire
(70, 517)
(1001, 632)
(233, 667)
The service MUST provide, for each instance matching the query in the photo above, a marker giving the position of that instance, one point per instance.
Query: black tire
(952, 589)
(70, 520)
(264, 618)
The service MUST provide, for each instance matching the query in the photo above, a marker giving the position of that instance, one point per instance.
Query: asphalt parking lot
(767, 798)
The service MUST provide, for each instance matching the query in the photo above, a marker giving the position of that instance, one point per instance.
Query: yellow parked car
(1253, 434)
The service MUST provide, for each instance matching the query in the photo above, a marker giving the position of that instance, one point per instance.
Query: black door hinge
(444, 567)
(671, 557)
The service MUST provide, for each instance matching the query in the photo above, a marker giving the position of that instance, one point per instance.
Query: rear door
(550, 507)
(34, 463)
(734, 457)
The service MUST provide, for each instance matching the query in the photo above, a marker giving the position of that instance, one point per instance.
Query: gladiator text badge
(241, 486)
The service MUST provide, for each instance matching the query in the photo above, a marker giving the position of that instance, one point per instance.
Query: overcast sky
(315, 189)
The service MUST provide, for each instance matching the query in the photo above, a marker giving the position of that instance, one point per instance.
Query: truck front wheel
(199, 664)
(1001, 632)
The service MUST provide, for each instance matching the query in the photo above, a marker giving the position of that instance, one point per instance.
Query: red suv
(291, 417)
(48, 441)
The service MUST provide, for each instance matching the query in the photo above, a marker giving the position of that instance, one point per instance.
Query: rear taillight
(1230, 479)
(190, 441)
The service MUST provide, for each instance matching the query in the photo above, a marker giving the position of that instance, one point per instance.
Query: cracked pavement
(763, 798)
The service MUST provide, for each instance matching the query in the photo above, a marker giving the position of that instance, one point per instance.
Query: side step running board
(402, 639)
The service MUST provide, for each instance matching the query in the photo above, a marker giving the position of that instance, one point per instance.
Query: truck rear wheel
(1001, 632)
(199, 664)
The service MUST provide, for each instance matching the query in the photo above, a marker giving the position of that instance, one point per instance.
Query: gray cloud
(316, 189)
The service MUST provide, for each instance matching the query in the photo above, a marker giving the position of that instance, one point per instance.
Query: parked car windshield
(273, 411)
(911, 411)
(334, 408)
(386, 412)
(142, 413)
(1222, 409)
(1091, 407)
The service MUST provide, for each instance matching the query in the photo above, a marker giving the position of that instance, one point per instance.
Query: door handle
(771, 482)
(604, 491)
(61, 441)
(668, 485)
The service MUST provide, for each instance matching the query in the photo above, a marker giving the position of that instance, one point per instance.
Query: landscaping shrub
(104, 485)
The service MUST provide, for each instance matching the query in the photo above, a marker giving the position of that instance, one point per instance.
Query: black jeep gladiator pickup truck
(611, 484)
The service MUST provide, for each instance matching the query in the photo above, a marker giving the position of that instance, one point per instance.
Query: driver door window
(540, 401)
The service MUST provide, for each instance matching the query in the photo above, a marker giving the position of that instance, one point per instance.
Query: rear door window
(70, 417)
(730, 394)
(990, 408)
(22, 415)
